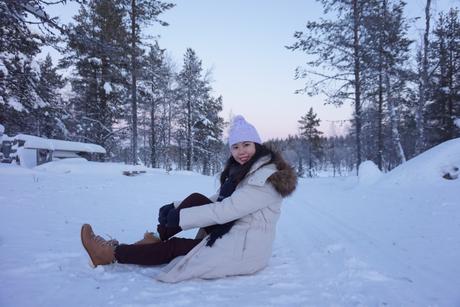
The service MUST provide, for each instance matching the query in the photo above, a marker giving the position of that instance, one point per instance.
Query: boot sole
(87, 251)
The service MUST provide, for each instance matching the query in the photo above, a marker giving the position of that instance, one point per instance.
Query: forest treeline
(405, 91)
(115, 86)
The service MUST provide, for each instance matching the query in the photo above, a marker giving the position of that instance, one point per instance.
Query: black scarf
(226, 189)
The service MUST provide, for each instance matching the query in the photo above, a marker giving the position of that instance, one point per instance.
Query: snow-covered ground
(377, 240)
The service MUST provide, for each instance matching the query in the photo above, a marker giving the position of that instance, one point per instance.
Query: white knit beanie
(242, 131)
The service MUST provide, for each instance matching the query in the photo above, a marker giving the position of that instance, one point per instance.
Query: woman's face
(242, 152)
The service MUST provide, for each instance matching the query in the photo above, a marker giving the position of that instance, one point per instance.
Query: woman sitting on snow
(238, 224)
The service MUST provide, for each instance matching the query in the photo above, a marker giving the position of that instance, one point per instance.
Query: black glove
(173, 218)
(163, 213)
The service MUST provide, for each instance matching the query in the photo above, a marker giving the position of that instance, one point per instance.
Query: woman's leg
(162, 252)
(193, 200)
(156, 253)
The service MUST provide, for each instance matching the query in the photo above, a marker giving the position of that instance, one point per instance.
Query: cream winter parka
(247, 247)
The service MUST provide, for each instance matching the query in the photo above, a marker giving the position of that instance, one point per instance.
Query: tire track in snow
(330, 250)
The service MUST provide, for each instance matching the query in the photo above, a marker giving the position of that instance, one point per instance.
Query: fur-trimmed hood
(279, 173)
(285, 179)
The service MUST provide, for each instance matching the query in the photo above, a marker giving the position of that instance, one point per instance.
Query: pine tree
(386, 77)
(445, 55)
(396, 55)
(308, 129)
(155, 86)
(19, 98)
(95, 49)
(150, 93)
(18, 47)
(50, 117)
(190, 94)
(336, 47)
(141, 12)
(208, 135)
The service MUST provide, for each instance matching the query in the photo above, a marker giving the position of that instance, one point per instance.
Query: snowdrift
(433, 166)
(83, 166)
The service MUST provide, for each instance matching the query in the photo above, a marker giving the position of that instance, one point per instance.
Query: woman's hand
(163, 213)
(173, 218)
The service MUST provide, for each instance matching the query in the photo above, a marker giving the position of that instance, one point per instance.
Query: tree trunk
(133, 83)
(300, 166)
(144, 138)
(380, 115)
(394, 122)
(450, 126)
(169, 149)
(333, 159)
(153, 145)
(380, 98)
(104, 104)
(357, 80)
(179, 143)
(380, 124)
(189, 136)
(419, 118)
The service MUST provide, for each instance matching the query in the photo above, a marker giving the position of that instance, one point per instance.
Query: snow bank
(369, 173)
(12, 169)
(430, 166)
(85, 167)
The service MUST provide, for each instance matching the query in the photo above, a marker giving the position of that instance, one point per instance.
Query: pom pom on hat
(242, 131)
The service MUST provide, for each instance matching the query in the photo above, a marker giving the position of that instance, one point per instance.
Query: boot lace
(103, 242)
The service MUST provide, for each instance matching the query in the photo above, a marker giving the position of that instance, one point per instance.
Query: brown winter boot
(149, 238)
(99, 250)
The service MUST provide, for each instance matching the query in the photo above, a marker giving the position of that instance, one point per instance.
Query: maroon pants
(169, 248)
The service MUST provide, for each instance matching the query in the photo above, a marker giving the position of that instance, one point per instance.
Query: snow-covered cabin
(31, 150)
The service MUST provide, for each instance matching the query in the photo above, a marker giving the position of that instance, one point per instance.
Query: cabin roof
(35, 142)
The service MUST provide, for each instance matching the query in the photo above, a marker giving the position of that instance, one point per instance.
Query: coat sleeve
(245, 200)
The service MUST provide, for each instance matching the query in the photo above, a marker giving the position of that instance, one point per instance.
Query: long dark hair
(261, 151)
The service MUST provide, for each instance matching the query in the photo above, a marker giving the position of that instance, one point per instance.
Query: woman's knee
(195, 199)
(195, 195)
